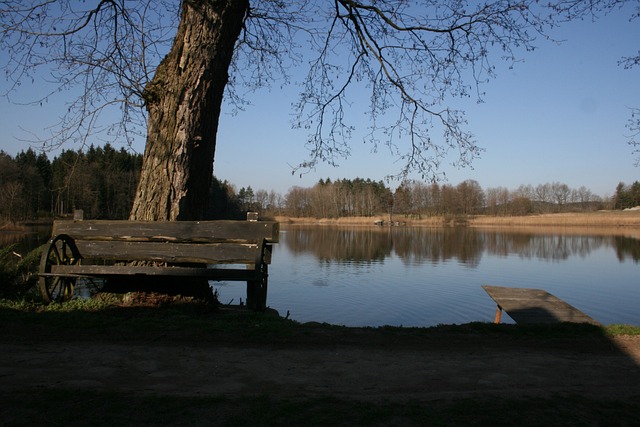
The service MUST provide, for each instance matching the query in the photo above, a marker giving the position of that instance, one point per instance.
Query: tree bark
(184, 101)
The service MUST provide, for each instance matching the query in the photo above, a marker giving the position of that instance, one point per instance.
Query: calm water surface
(25, 241)
(424, 277)
(427, 276)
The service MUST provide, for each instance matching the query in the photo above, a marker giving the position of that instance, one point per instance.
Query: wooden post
(252, 285)
(251, 294)
(498, 316)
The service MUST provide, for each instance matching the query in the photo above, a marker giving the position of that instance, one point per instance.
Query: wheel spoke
(61, 289)
(65, 253)
(61, 251)
(56, 255)
(54, 290)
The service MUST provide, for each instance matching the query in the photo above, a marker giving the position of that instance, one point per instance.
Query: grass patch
(18, 280)
(83, 319)
(194, 323)
(614, 330)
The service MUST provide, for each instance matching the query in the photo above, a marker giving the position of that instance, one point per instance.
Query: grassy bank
(193, 322)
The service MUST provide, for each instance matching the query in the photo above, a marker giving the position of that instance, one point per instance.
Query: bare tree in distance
(168, 67)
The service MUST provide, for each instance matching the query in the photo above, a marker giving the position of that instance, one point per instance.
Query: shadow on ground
(191, 365)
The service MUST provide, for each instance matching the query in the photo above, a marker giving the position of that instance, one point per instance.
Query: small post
(498, 316)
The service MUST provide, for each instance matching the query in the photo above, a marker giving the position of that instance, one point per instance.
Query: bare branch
(413, 59)
(633, 125)
(107, 51)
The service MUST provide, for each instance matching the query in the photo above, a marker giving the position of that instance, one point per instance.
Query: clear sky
(558, 116)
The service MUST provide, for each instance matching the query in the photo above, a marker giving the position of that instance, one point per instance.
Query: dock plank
(525, 305)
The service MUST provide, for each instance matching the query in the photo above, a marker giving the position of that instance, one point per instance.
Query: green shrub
(18, 274)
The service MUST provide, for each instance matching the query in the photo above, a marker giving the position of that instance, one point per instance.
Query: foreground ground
(168, 366)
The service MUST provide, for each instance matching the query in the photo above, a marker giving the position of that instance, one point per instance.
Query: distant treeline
(627, 196)
(414, 199)
(102, 182)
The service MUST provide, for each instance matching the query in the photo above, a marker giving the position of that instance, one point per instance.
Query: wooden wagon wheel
(61, 250)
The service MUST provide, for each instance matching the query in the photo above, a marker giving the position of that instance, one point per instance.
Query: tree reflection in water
(435, 245)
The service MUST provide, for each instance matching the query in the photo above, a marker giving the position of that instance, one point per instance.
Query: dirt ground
(360, 369)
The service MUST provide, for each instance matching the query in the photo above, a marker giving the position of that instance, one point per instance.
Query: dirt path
(350, 371)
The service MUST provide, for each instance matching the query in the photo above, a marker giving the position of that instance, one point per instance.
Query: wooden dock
(526, 305)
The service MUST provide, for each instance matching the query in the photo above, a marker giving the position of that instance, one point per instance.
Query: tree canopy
(411, 56)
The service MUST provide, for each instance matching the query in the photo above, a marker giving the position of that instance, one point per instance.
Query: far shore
(627, 220)
(606, 222)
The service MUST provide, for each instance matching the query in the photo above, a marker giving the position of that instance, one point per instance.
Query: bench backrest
(171, 241)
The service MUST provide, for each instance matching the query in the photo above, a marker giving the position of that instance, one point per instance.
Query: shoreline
(612, 223)
(629, 218)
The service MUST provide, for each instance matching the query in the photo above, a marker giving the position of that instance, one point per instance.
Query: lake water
(375, 276)
(428, 276)
(25, 241)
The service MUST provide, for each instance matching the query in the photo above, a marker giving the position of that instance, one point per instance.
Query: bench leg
(254, 295)
(257, 292)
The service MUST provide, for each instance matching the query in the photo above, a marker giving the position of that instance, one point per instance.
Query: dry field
(590, 219)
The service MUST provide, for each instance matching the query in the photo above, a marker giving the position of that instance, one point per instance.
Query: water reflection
(627, 248)
(418, 276)
(417, 245)
(435, 245)
(25, 240)
(340, 244)
(550, 247)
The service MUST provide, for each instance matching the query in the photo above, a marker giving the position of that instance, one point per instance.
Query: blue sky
(558, 116)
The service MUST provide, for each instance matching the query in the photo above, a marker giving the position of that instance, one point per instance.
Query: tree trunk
(184, 101)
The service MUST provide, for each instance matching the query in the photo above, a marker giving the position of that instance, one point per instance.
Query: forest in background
(102, 182)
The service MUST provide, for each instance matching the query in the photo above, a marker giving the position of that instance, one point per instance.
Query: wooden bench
(211, 250)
